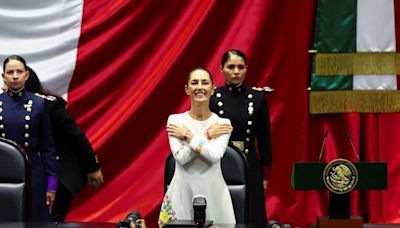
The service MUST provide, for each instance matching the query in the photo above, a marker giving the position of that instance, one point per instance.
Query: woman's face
(199, 87)
(234, 70)
(15, 75)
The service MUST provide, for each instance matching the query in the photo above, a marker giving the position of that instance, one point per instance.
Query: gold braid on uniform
(47, 97)
(265, 89)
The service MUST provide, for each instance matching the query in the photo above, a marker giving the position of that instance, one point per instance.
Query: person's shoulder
(225, 120)
(48, 98)
(35, 99)
(52, 100)
(263, 90)
(254, 93)
(221, 120)
(219, 88)
(173, 118)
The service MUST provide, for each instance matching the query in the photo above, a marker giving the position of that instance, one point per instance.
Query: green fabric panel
(335, 31)
(309, 175)
(321, 83)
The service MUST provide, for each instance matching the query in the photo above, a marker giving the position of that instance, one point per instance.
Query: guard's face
(199, 87)
(15, 75)
(234, 70)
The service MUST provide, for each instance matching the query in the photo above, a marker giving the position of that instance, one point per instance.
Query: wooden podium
(310, 176)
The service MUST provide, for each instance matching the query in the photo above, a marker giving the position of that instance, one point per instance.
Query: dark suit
(74, 154)
(23, 119)
(248, 111)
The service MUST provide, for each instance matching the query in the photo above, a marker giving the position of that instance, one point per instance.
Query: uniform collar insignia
(234, 88)
(16, 94)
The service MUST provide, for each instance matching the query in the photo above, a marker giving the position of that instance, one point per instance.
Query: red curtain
(133, 59)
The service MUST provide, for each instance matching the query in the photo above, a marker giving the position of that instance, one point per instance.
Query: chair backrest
(15, 195)
(235, 171)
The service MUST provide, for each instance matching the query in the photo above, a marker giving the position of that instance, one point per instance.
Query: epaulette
(47, 97)
(265, 89)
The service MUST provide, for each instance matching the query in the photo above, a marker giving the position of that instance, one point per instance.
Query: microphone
(199, 210)
(323, 145)
(352, 145)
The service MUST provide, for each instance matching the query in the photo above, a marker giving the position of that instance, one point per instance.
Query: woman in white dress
(198, 156)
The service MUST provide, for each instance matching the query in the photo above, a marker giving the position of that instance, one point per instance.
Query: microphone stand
(352, 146)
(322, 146)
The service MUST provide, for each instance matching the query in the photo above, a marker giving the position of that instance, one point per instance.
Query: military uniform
(75, 156)
(23, 119)
(247, 109)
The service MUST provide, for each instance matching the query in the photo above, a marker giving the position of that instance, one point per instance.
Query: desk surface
(373, 226)
(114, 225)
(59, 225)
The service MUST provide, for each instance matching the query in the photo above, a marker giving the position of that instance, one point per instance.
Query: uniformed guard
(247, 109)
(23, 119)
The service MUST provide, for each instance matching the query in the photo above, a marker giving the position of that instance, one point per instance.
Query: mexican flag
(355, 64)
(82, 50)
(45, 33)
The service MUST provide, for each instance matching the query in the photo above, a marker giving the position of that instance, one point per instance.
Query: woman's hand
(217, 129)
(50, 197)
(182, 133)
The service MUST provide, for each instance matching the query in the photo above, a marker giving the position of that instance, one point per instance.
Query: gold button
(26, 144)
(30, 102)
(218, 95)
(26, 135)
(1, 126)
(221, 112)
(57, 158)
(246, 151)
(250, 96)
(3, 135)
(29, 110)
(248, 131)
(250, 104)
(1, 117)
(27, 118)
(249, 123)
(247, 140)
(26, 126)
(1, 109)
(1, 103)
(220, 103)
(230, 88)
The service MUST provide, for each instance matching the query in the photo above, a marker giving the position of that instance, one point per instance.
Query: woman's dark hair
(34, 85)
(200, 68)
(14, 57)
(227, 55)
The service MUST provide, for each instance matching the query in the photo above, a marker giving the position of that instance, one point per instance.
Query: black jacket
(248, 111)
(74, 152)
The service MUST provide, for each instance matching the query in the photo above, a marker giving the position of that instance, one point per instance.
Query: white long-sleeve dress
(198, 173)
